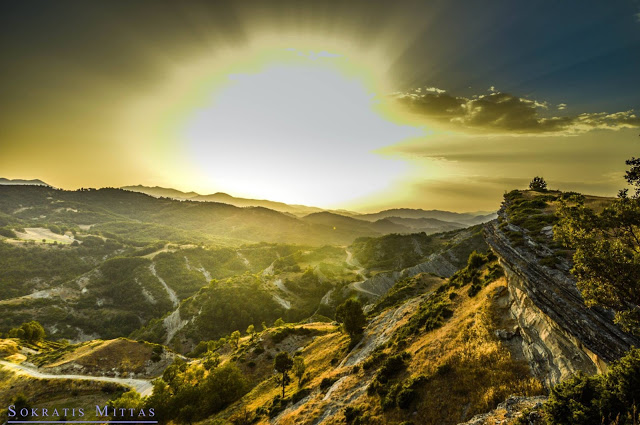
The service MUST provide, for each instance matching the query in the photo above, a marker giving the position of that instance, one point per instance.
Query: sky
(360, 105)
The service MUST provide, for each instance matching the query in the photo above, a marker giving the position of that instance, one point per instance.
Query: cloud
(499, 112)
(562, 106)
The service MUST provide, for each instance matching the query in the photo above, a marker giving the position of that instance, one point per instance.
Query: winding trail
(351, 262)
(143, 386)
(358, 287)
(360, 272)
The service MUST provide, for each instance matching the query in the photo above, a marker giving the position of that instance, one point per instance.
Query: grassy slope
(104, 358)
(456, 370)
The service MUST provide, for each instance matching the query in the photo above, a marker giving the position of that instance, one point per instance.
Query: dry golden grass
(317, 352)
(8, 347)
(467, 370)
(596, 203)
(470, 370)
(99, 356)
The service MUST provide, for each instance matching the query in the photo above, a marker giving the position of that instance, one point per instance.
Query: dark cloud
(506, 113)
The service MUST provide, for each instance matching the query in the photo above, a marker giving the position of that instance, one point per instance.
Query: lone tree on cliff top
(538, 184)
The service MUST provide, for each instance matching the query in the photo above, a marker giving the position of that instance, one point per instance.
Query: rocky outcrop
(560, 334)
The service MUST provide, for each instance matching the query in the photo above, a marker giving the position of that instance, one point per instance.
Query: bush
(392, 366)
(431, 314)
(374, 359)
(326, 383)
(300, 394)
(476, 260)
(7, 233)
(598, 399)
(351, 413)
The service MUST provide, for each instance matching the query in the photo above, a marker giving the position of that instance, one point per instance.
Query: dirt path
(143, 386)
(358, 287)
(360, 272)
(351, 262)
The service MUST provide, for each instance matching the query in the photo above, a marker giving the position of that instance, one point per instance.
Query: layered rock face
(560, 335)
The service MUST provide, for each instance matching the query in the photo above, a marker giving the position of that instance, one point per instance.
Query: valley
(165, 303)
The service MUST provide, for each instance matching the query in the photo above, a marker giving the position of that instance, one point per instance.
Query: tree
(234, 339)
(352, 317)
(607, 256)
(30, 332)
(212, 360)
(251, 331)
(282, 364)
(279, 322)
(129, 400)
(538, 184)
(299, 368)
(632, 176)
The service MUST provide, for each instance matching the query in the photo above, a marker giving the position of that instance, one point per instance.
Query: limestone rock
(560, 335)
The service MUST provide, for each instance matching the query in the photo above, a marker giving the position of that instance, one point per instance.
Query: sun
(282, 123)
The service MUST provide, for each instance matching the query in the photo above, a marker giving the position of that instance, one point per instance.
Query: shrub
(326, 383)
(476, 260)
(7, 233)
(392, 366)
(374, 359)
(300, 394)
(351, 413)
(597, 399)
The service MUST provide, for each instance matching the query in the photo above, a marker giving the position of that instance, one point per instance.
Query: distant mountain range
(419, 214)
(320, 225)
(160, 192)
(401, 219)
(23, 182)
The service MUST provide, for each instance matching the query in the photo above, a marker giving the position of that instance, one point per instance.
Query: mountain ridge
(23, 182)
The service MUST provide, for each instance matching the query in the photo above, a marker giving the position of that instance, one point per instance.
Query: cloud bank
(499, 112)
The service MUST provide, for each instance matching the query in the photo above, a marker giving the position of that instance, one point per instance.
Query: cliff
(560, 335)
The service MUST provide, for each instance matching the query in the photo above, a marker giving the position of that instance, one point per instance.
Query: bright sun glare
(300, 128)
